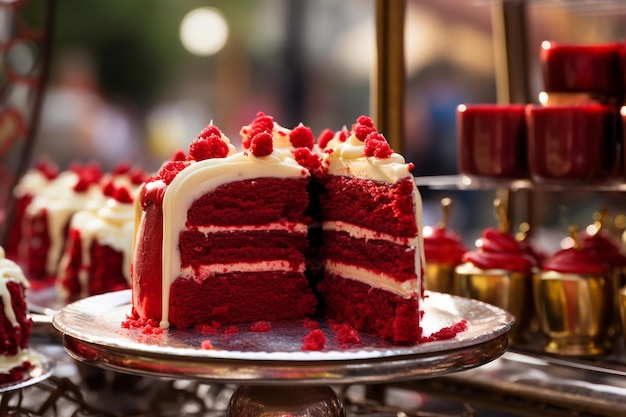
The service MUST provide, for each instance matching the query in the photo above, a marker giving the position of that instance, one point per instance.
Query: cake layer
(253, 201)
(240, 298)
(370, 309)
(222, 248)
(378, 256)
(381, 207)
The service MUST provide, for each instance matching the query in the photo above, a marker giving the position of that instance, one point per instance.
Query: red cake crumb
(307, 159)
(262, 123)
(366, 121)
(209, 130)
(48, 169)
(122, 194)
(315, 340)
(326, 136)
(206, 344)
(169, 171)
(377, 146)
(262, 144)
(261, 327)
(231, 330)
(302, 137)
(208, 147)
(179, 155)
(209, 328)
(310, 324)
(446, 332)
(346, 334)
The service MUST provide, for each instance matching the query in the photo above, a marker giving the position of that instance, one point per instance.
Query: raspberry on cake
(15, 324)
(224, 238)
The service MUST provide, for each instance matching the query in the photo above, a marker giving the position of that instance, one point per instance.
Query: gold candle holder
(509, 290)
(439, 276)
(574, 310)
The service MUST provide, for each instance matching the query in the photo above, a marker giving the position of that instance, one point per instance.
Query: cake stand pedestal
(275, 376)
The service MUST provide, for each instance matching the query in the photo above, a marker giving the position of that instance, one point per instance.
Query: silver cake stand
(276, 376)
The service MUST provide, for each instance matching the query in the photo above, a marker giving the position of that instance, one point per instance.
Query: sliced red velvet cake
(47, 218)
(15, 324)
(222, 236)
(98, 250)
(372, 251)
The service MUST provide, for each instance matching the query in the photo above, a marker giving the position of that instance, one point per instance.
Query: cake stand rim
(423, 360)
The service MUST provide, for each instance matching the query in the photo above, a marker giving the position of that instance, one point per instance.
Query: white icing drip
(208, 270)
(367, 234)
(32, 183)
(379, 280)
(9, 362)
(112, 225)
(10, 271)
(198, 179)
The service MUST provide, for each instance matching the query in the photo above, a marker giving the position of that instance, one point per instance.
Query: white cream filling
(207, 270)
(378, 280)
(367, 234)
(9, 362)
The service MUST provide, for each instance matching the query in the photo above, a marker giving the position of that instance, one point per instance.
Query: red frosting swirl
(443, 246)
(577, 261)
(499, 250)
(606, 247)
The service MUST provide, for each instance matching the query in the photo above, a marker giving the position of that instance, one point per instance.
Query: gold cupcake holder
(574, 312)
(509, 290)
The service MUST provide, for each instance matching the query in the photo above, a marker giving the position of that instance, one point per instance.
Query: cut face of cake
(371, 249)
(222, 235)
(15, 324)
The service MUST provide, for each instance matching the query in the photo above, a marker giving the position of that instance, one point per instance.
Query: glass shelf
(465, 182)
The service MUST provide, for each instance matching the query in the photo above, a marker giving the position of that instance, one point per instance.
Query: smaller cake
(443, 250)
(31, 184)
(573, 296)
(97, 254)
(15, 324)
(47, 218)
(499, 272)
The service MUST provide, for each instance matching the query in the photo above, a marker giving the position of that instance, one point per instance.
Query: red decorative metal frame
(21, 92)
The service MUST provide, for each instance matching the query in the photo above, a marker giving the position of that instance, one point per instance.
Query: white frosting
(358, 232)
(299, 228)
(32, 183)
(347, 159)
(375, 279)
(111, 225)
(9, 271)
(61, 202)
(207, 270)
(198, 179)
(9, 362)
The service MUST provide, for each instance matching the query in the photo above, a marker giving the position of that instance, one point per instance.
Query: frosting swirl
(443, 246)
(576, 261)
(499, 250)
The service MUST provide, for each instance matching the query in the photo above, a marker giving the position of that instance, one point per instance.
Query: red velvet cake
(242, 237)
(47, 217)
(222, 236)
(371, 250)
(31, 184)
(98, 250)
(15, 324)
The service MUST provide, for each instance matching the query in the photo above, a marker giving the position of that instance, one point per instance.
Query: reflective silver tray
(92, 332)
(41, 369)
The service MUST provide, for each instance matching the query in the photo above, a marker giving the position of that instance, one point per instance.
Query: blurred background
(137, 80)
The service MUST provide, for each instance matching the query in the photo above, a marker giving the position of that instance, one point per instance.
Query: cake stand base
(295, 401)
